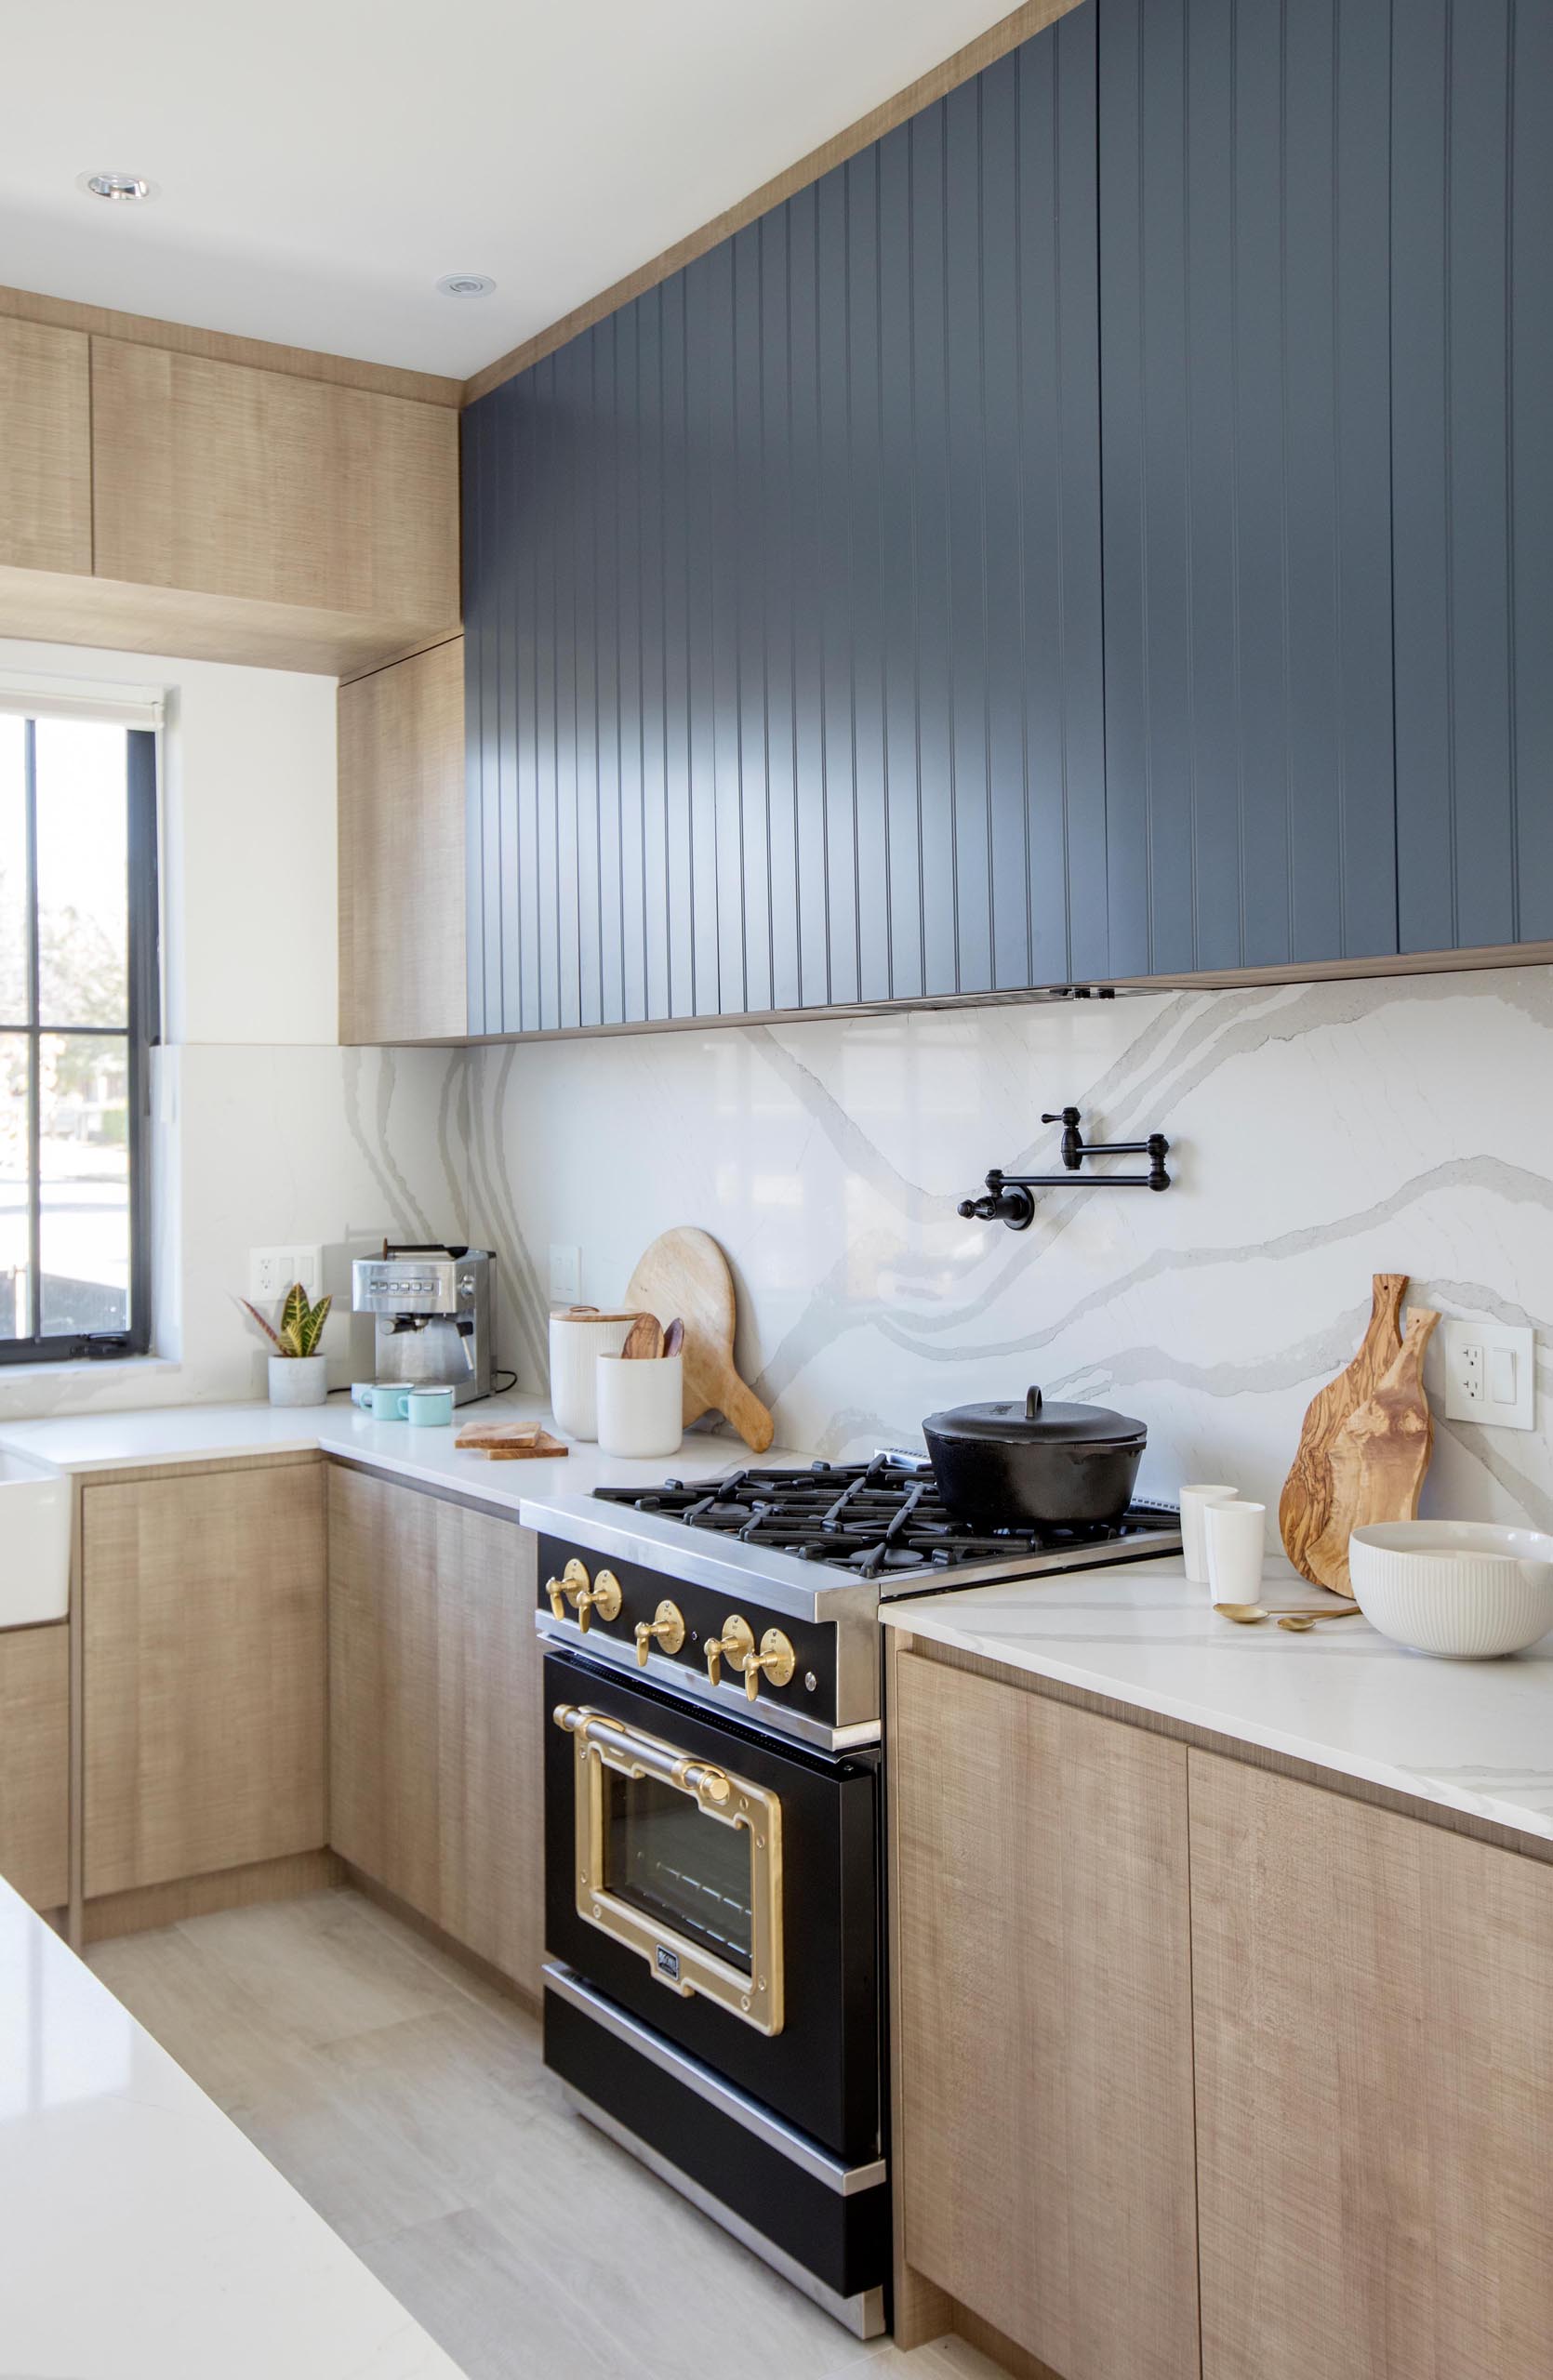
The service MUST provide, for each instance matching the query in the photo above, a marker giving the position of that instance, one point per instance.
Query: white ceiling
(322, 162)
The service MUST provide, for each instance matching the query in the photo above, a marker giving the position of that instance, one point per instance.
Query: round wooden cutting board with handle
(1305, 1512)
(685, 1272)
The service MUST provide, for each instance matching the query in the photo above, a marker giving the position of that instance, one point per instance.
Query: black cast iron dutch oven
(1009, 1465)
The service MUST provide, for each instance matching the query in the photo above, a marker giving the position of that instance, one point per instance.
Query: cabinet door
(402, 850)
(34, 1764)
(1246, 429)
(1042, 1982)
(435, 1714)
(222, 480)
(46, 485)
(1375, 2089)
(202, 1606)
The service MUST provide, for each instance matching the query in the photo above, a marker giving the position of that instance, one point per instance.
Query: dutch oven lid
(1031, 1421)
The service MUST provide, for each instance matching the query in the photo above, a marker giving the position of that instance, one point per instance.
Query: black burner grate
(868, 1517)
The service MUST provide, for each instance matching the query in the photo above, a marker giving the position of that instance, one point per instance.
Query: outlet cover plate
(273, 1270)
(565, 1275)
(1490, 1373)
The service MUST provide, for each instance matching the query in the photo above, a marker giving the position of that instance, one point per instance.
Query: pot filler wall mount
(1008, 1198)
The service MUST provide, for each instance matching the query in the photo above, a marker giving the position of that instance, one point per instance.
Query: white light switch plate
(1490, 1373)
(565, 1276)
(273, 1270)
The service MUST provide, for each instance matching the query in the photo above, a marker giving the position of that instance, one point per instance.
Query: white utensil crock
(575, 1344)
(639, 1404)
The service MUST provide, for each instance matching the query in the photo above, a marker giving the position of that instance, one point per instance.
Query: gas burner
(874, 1519)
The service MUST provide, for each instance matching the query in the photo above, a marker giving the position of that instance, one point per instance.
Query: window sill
(89, 1367)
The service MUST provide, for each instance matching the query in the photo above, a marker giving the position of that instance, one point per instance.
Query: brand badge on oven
(668, 1962)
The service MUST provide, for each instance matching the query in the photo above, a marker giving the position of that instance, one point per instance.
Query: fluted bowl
(1464, 1590)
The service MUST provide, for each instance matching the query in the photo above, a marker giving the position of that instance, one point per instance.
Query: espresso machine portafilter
(432, 1309)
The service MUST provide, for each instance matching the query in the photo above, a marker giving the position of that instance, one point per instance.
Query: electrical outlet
(273, 1270)
(565, 1276)
(1490, 1373)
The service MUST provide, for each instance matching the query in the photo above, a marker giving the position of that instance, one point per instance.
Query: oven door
(723, 1888)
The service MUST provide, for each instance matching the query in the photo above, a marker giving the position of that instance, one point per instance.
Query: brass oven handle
(573, 1581)
(641, 1755)
(603, 1596)
(666, 1628)
(776, 1660)
(738, 1641)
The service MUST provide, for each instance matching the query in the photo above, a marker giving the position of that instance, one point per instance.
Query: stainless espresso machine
(433, 1316)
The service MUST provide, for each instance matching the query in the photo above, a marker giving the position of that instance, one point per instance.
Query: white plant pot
(299, 1379)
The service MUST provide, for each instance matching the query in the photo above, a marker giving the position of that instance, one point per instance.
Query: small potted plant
(299, 1374)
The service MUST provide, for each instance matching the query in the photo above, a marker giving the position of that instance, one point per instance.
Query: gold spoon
(1298, 1621)
(1248, 1614)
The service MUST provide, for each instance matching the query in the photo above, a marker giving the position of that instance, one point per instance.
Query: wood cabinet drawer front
(202, 1606)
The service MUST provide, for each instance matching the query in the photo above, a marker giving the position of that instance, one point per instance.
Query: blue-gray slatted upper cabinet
(1245, 432)
(782, 597)
(1472, 457)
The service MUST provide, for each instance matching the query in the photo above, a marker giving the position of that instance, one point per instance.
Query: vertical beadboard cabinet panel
(1472, 339)
(782, 597)
(1245, 428)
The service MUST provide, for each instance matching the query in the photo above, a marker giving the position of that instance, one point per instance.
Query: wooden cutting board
(1379, 1456)
(685, 1272)
(1304, 1507)
(510, 1442)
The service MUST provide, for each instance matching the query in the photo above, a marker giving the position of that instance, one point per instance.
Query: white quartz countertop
(141, 2235)
(97, 1442)
(1477, 1735)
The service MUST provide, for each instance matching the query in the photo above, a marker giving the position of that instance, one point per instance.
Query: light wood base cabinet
(34, 1764)
(202, 1612)
(434, 1713)
(1043, 2021)
(1374, 2090)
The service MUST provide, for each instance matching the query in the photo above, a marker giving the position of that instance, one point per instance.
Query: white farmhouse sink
(34, 1541)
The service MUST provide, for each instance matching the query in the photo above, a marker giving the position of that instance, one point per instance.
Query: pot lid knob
(1032, 1404)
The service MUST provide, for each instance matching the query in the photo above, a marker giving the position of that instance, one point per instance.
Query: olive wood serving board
(1304, 1507)
(685, 1272)
(1380, 1455)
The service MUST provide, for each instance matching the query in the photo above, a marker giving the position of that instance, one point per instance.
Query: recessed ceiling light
(466, 285)
(122, 188)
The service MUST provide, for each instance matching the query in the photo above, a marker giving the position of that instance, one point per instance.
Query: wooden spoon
(644, 1338)
(673, 1338)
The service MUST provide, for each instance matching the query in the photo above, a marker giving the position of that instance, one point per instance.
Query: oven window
(684, 1871)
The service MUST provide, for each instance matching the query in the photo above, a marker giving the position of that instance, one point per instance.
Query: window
(78, 1012)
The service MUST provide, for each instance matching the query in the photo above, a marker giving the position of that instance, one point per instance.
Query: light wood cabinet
(401, 845)
(46, 484)
(34, 1764)
(1375, 2089)
(435, 1714)
(1043, 1980)
(203, 1607)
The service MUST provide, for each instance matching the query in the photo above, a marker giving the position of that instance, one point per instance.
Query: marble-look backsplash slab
(1319, 1133)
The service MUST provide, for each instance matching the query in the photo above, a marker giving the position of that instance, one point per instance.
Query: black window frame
(140, 1033)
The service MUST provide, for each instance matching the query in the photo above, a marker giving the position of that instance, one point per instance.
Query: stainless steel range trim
(845, 2180)
(862, 2315)
(728, 1697)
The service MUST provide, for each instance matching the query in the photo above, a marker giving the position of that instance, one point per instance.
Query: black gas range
(715, 1991)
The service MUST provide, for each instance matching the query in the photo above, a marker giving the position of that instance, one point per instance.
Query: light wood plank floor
(407, 2102)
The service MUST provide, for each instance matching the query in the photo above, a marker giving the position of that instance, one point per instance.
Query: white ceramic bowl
(1464, 1590)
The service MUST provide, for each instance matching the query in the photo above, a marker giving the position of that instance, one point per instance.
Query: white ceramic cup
(1235, 1534)
(1192, 1500)
(576, 1343)
(638, 1402)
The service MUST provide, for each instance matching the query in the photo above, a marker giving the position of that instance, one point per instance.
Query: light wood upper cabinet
(221, 479)
(1375, 2089)
(1042, 1967)
(204, 1610)
(46, 484)
(434, 1713)
(402, 843)
(34, 1764)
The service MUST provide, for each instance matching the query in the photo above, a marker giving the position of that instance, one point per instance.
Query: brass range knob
(738, 1641)
(776, 1660)
(603, 1597)
(573, 1581)
(666, 1628)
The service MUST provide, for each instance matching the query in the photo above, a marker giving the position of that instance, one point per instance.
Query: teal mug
(429, 1408)
(387, 1404)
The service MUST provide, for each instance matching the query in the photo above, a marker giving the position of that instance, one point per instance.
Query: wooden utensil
(1379, 1456)
(1304, 1507)
(685, 1272)
(673, 1338)
(644, 1340)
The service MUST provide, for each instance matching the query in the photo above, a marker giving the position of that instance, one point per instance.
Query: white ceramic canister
(639, 1404)
(577, 1341)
